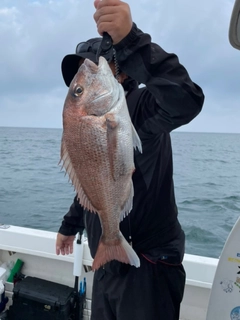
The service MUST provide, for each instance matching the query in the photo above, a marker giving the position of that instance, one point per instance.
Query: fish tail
(122, 252)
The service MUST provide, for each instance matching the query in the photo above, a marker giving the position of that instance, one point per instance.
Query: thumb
(96, 2)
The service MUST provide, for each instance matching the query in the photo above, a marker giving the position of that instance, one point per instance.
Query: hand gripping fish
(97, 154)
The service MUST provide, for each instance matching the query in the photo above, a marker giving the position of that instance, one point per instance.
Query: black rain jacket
(168, 100)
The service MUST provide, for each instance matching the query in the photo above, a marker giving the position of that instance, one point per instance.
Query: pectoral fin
(136, 140)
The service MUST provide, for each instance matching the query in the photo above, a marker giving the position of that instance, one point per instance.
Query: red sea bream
(97, 154)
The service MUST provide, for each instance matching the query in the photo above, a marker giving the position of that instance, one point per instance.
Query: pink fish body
(97, 154)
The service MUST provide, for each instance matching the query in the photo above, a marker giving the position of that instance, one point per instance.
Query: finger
(105, 27)
(62, 251)
(71, 248)
(105, 11)
(57, 250)
(105, 19)
(67, 249)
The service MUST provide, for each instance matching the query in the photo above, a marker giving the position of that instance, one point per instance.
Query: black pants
(151, 292)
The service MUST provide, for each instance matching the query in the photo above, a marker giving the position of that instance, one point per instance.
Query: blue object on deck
(3, 302)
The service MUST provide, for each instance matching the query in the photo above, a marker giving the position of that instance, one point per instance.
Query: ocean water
(35, 193)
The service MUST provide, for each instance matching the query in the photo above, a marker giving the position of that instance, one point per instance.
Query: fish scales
(97, 154)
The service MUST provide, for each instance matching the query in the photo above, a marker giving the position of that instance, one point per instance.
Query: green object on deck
(17, 267)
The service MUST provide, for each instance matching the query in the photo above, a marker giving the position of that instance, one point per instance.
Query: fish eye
(78, 91)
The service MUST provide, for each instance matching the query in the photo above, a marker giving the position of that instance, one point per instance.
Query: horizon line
(176, 130)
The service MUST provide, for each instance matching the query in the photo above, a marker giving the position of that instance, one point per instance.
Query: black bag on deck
(38, 299)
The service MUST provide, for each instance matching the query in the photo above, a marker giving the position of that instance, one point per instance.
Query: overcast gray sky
(36, 35)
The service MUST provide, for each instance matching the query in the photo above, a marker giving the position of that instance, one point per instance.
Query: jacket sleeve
(171, 99)
(73, 221)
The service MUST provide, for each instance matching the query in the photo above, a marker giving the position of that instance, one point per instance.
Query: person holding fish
(116, 149)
